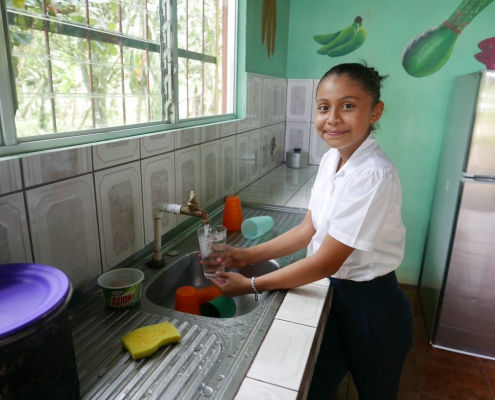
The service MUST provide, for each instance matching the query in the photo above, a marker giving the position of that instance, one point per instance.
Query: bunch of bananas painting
(269, 25)
(343, 42)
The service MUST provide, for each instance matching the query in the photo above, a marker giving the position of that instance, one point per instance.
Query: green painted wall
(257, 60)
(412, 127)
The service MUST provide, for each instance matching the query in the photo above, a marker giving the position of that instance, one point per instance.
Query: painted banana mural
(429, 51)
(343, 42)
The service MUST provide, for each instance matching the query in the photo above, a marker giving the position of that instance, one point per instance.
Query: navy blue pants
(369, 333)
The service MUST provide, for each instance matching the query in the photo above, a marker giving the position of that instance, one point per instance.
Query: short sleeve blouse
(360, 206)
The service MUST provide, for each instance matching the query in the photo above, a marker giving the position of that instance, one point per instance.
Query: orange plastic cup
(186, 300)
(208, 293)
(232, 213)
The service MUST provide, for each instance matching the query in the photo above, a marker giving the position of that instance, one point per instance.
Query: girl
(354, 234)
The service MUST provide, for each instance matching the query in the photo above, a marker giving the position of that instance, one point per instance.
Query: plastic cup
(215, 235)
(256, 226)
(220, 307)
(232, 213)
(186, 300)
(208, 293)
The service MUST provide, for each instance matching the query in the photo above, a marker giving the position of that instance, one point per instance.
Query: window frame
(10, 145)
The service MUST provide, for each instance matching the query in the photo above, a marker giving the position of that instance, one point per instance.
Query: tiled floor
(429, 373)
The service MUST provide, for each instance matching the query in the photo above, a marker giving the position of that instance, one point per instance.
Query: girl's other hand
(231, 256)
(232, 284)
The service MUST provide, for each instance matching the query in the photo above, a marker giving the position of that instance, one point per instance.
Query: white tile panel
(265, 151)
(255, 390)
(228, 150)
(158, 176)
(254, 155)
(299, 100)
(296, 136)
(187, 137)
(210, 132)
(56, 165)
(210, 173)
(115, 153)
(14, 236)
(228, 128)
(299, 200)
(254, 100)
(120, 212)
(283, 355)
(272, 196)
(268, 106)
(303, 305)
(187, 177)
(280, 99)
(156, 144)
(242, 178)
(317, 147)
(313, 101)
(10, 176)
(64, 228)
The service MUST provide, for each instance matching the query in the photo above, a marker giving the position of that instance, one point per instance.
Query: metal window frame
(11, 145)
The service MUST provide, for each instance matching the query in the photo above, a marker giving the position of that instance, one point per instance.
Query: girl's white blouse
(360, 206)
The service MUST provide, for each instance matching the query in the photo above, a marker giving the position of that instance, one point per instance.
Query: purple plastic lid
(27, 293)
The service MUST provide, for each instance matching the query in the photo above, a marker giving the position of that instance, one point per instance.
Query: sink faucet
(192, 209)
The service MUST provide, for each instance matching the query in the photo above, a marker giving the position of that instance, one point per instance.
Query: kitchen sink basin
(189, 272)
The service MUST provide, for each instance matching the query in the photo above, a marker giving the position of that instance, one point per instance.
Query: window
(92, 66)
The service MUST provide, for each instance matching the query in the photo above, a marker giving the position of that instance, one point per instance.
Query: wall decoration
(487, 55)
(429, 51)
(269, 25)
(343, 42)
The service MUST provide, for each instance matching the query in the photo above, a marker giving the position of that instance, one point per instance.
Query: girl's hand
(232, 257)
(232, 284)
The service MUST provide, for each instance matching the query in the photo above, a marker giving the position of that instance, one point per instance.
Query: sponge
(144, 341)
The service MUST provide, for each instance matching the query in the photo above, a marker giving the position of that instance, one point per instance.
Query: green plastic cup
(254, 227)
(220, 307)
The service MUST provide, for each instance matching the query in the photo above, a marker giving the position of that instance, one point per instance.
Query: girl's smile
(344, 114)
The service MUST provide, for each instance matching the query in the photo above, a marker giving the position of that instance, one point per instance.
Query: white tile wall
(56, 165)
(160, 143)
(14, 237)
(64, 227)
(187, 137)
(267, 103)
(187, 176)
(210, 132)
(10, 176)
(280, 100)
(253, 158)
(158, 177)
(299, 100)
(242, 179)
(265, 151)
(228, 165)
(255, 100)
(228, 128)
(317, 147)
(120, 212)
(114, 153)
(296, 136)
(210, 173)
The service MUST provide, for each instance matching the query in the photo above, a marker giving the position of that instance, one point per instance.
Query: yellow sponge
(146, 340)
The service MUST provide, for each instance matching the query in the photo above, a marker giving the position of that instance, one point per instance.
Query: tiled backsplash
(86, 209)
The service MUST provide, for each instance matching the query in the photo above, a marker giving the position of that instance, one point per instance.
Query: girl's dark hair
(368, 77)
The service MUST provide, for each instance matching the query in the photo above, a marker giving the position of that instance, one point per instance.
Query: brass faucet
(192, 209)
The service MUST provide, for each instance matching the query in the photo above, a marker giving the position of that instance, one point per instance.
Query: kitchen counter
(269, 351)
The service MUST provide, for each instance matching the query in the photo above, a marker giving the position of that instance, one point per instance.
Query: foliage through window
(97, 65)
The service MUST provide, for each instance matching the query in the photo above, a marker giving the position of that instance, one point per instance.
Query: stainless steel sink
(189, 272)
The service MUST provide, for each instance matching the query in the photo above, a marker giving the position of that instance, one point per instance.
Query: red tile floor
(434, 374)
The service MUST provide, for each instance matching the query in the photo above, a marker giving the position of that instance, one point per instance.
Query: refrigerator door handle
(478, 178)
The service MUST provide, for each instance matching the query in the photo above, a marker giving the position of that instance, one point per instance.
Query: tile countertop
(283, 366)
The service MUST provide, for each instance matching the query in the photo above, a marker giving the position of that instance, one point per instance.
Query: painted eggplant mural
(269, 25)
(428, 52)
(487, 55)
(343, 42)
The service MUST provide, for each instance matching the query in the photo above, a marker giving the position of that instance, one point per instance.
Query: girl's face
(344, 113)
